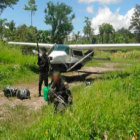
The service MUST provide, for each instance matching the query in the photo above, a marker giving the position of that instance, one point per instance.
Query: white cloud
(100, 1)
(105, 15)
(90, 9)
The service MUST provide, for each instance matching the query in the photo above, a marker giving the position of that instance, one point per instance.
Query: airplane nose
(57, 57)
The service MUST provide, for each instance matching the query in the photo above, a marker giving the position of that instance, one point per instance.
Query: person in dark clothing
(43, 63)
(59, 93)
(93, 40)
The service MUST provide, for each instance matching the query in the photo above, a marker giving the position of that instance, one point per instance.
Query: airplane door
(73, 59)
(76, 55)
(70, 56)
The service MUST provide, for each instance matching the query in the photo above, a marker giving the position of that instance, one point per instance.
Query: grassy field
(107, 109)
(127, 58)
(16, 67)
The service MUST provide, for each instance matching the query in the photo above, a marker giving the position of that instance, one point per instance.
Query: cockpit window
(62, 48)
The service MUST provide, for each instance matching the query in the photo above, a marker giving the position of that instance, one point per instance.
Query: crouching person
(59, 93)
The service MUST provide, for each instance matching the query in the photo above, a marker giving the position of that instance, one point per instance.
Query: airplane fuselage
(62, 58)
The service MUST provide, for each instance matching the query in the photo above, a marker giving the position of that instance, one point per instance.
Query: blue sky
(91, 8)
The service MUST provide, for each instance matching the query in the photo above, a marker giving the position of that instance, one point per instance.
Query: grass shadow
(80, 77)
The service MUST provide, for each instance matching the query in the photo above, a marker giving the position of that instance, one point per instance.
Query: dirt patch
(73, 78)
(100, 69)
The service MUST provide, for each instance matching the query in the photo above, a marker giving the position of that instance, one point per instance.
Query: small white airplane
(65, 58)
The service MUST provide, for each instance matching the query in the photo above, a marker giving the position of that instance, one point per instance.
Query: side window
(77, 53)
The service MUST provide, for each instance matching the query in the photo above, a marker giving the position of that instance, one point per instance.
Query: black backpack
(23, 94)
(9, 92)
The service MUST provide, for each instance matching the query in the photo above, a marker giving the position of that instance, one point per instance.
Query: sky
(116, 12)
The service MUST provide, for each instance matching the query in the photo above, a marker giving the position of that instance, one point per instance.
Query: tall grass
(15, 66)
(122, 57)
(108, 108)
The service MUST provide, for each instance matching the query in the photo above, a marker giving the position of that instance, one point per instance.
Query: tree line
(59, 17)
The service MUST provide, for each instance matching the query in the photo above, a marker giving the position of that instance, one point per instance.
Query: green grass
(118, 57)
(16, 67)
(110, 106)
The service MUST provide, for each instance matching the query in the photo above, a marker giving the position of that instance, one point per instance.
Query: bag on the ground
(23, 94)
(9, 91)
(45, 92)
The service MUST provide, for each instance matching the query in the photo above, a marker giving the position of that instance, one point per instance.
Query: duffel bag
(23, 94)
(9, 91)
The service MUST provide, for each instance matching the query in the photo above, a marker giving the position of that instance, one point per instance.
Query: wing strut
(81, 60)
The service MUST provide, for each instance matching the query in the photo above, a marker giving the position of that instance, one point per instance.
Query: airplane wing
(32, 44)
(103, 46)
(82, 46)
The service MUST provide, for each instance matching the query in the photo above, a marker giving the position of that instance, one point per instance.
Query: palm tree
(32, 7)
(77, 36)
(101, 30)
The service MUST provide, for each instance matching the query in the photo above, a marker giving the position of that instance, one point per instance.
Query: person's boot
(39, 95)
